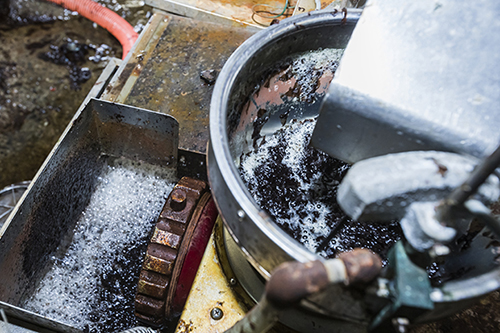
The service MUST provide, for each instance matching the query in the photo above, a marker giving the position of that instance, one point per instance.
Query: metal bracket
(410, 290)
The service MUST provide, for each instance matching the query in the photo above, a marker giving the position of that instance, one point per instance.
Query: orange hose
(104, 17)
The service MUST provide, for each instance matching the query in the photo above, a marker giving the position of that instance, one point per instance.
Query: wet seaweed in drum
(297, 186)
(294, 183)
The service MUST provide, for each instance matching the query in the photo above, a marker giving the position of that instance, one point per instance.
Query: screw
(241, 214)
(216, 314)
(178, 200)
(232, 281)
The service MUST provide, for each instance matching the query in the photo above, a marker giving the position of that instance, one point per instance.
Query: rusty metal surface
(361, 265)
(224, 11)
(166, 238)
(183, 251)
(293, 281)
(165, 76)
(129, 70)
(211, 289)
(152, 283)
(167, 249)
(192, 190)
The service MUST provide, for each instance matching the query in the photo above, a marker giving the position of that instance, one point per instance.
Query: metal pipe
(455, 201)
(291, 282)
(476, 179)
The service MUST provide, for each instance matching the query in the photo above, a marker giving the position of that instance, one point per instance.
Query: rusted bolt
(216, 313)
(178, 200)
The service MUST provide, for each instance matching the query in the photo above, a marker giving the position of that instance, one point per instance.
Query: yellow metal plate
(211, 289)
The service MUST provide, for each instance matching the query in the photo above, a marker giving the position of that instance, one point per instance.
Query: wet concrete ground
(37, 97)
(484, 317)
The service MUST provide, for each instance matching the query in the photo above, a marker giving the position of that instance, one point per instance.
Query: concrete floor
(37, 99)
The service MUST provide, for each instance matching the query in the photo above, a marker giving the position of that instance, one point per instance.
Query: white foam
(123, 209)
(306, 65)
(296, 135)
(308, 68)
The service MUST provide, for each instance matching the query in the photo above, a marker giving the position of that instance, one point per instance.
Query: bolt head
(178, 199)
(216, 313)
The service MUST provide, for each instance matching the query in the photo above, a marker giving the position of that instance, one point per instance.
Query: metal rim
(12, 188)
(219, 136)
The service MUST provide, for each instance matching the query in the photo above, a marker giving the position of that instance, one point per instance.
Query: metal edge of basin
(264, 244)
(63, 186)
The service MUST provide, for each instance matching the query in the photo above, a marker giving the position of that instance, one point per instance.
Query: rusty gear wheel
(168, 248)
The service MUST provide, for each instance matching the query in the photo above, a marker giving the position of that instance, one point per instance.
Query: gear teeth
(154, 287)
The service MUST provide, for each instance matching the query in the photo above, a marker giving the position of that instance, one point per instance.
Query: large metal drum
(252, 236)
(264, 244)
(255, 243)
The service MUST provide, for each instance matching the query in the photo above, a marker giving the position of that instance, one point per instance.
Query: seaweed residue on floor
(49, 59)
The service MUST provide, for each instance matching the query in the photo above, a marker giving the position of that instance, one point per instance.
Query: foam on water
(297, 186)
(308, 67)
(91, 284)
(286, 168)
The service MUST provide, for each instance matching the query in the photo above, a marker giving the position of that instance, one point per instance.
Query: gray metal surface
(27, 321)
(162, 71)
(382, 188)
(9, 197)
(63, 186)
(416, 75)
